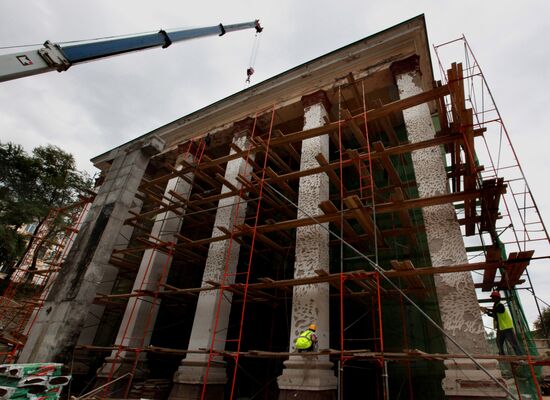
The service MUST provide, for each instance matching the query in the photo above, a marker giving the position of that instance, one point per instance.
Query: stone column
(458, 305)
(141, 312)
(110, 273)
(189, 378)
(311, 377)
(61, 318)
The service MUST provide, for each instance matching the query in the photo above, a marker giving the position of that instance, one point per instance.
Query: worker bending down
(307, 341)
(502, 322)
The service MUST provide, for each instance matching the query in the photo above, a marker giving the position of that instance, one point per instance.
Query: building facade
(215, 240)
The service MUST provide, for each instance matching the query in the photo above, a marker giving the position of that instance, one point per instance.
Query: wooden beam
(387, 164)
(357, 132)
(401, 149)
(517, 263)
(413, 281)
(380, 208)
(364, 219)
(267, 283)
(404, 216)
(373, 114)
(332, 176)
(328, 207)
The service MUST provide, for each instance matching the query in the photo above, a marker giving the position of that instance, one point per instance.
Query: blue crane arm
(57, 57)
(106, 48)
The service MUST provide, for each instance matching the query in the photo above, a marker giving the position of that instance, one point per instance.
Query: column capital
(317, 97)
(150, 146)
(409, 64)
(243, 127)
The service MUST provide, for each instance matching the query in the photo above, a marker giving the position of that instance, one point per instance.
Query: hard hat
(495, 293)
(312, 327)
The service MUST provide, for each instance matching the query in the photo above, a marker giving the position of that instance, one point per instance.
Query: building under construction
(354, 191)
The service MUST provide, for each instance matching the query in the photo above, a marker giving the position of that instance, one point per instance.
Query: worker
(307, 341)
(502, 321)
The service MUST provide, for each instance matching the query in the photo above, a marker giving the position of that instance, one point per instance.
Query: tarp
(38, 381)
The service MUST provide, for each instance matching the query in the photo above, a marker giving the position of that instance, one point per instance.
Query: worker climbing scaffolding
(307, 341)
(503, 324)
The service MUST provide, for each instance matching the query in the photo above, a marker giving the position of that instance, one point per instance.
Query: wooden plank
(387, 164)
(201, 242)
(380, 208)
(123, 263)
(373, 114)
(283, 184)
(353, 85)
(328, 207)
(335, 284)
(267, 283)
(364, 219)
(357, 132)
(247, 230)
(401, 149)
(404, 216)
(220, 178)
(490, 204)
(274, 157)
(292, 152)
(493, 254)
(515, 267)
(332, 176)
(385, 123)
(413, 281)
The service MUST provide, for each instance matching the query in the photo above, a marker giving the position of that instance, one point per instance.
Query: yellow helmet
(312, 327)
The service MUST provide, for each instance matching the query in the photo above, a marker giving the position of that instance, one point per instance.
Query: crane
(55, 57)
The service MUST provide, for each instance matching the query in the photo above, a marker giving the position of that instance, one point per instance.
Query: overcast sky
(96, 106)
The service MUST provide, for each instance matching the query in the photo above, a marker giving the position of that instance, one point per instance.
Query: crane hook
(249, 73)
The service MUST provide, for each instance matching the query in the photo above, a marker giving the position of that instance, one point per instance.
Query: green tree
(542, 323)
(30, 185)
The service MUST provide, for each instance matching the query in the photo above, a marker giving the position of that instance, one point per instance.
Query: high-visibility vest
(304, 340)
(504, 319)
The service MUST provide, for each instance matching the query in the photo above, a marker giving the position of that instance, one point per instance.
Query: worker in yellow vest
(307, 341)
(502, 322)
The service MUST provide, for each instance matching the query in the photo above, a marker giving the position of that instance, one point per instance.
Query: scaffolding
(519, 228)
(379, 256)
(34, 275)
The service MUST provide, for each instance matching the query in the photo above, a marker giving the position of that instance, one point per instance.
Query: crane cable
(253, 55)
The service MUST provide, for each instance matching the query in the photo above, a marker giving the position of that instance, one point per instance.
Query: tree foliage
(543, 321)
(30, 185)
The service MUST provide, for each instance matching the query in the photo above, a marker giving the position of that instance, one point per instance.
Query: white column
(141, 312)
(310, 303)
(458, 306)
(188, 379)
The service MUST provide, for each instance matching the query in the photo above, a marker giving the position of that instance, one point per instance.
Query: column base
(122, 365)
(307, 395)
(114, 368)
(307, 374)
(183, 391)
(464, 381)
(189, 381)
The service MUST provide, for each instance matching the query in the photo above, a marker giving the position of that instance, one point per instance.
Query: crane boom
(55, 57)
